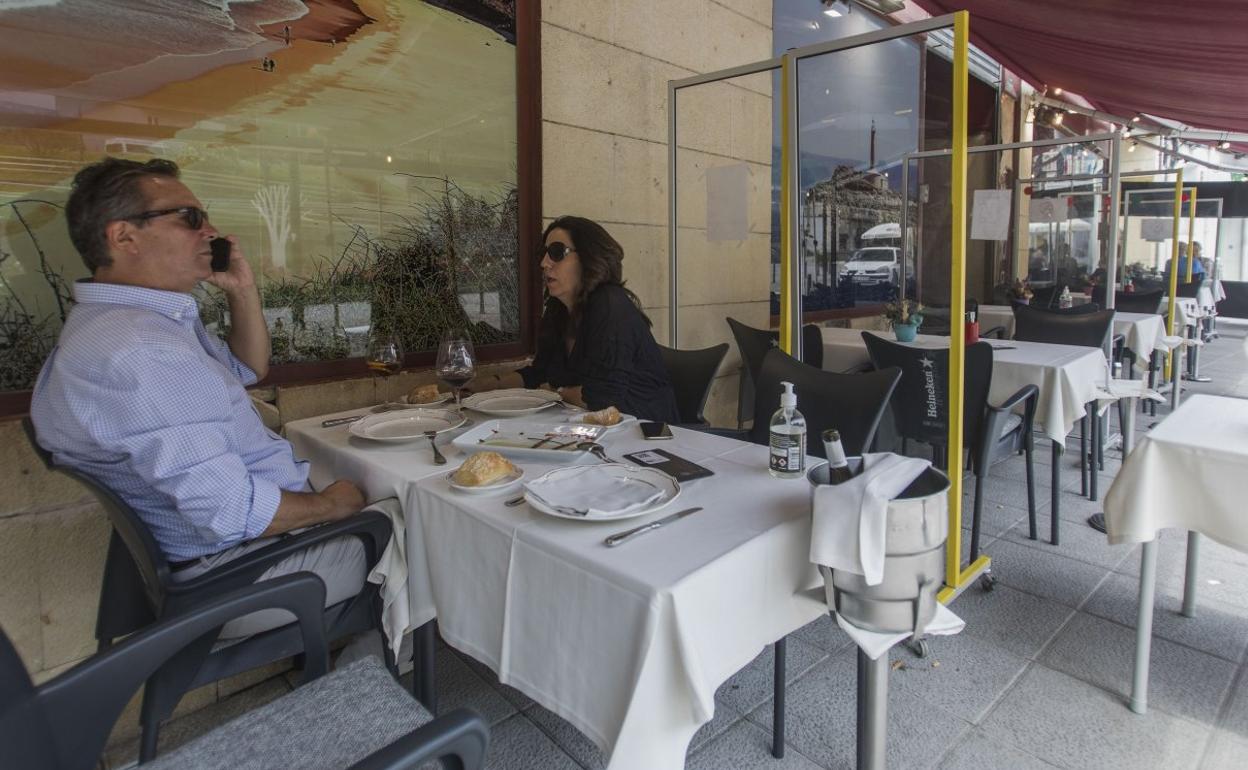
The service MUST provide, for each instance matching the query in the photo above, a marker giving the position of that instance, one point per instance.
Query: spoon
(437, 456)
(596, 450)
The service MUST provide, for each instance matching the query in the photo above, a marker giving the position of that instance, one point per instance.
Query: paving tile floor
(1039, 679)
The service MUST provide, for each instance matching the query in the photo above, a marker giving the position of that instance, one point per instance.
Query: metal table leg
(1144, 627)
(780, 681)
(872, 711)
(424, 645)
(1189, 578)
(1055, 492)
(1176, 377)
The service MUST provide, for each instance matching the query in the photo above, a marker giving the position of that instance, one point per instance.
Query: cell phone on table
(653, 431)
(220, 254)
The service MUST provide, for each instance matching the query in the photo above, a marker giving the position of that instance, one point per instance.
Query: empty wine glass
(457, 362)
(385, 355)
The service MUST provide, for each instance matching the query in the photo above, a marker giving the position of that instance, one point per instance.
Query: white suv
(873, 266)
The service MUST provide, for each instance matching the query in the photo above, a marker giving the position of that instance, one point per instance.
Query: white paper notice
(1156, 230)
(727, 203)
(1047, 209)
(990, 215)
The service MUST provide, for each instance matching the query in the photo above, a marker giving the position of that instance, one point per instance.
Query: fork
(438, 459)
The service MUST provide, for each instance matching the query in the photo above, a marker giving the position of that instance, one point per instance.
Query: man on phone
(141, 397)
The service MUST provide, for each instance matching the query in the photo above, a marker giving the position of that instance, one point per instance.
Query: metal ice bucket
(917, 526)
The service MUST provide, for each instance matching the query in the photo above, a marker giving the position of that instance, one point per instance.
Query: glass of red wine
(457, 362)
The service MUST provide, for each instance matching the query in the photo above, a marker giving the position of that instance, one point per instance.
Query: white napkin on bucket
(877, 643)
(595, 490)
(850, 519)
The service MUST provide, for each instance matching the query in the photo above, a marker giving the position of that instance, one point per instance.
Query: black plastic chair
(753, 345)
(853, 404)
(137, 590)
(989, 432)
(692, 372)
(1088, 329)
(1084, 309)
(64, 724)
(1044, 297)
(1190, 289)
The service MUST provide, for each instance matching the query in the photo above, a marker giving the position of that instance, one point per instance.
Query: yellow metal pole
(1191, 232)
(786, 204)
(1174, 260)
(954, 576)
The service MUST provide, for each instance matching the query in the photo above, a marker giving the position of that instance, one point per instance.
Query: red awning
(1187, 61)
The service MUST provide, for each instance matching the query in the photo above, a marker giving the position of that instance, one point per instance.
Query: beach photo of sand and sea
(364, 151)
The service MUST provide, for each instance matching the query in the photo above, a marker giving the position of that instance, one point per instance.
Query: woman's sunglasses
(194, 217)
(556, 251)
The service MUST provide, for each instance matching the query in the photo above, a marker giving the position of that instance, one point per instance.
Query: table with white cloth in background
(1187, 473)
(1067, 376)
(1143, 331)
(629, 643)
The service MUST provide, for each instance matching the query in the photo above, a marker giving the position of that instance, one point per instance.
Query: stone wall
(605, 69)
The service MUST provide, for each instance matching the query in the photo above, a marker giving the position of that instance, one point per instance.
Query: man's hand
(572, 395)
(338, 501)
(238, 278)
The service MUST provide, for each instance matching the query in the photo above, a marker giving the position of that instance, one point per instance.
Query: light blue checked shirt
(141, 397)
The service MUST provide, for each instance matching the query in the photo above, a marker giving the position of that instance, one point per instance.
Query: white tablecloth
(1143, 331)
(1188, 473)
(627, 643)
(1067, 375)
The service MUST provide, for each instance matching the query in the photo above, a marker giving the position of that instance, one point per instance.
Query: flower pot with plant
(1020, 293)
(904, 316)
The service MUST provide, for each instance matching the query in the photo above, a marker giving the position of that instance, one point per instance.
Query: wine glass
(457, 362)
(385, 355)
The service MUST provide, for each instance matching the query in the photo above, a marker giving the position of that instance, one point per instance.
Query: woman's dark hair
(104, 192)
(602, 263)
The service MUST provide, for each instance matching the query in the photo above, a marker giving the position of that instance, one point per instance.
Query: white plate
(579, 419)
(441, 399)
(514, 438)
(406, 424)
(642, 475)
(511, 401)
(505, 484)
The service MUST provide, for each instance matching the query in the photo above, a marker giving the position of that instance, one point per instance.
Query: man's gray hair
(105, 192)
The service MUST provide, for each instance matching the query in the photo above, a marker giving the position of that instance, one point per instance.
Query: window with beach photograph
(363, 151)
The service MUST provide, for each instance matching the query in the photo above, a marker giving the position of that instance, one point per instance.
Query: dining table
(1069, 378)
(627, 643)
(1143, 332)
(1185, 473)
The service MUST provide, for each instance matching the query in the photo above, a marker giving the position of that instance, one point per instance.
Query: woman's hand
(572, 395)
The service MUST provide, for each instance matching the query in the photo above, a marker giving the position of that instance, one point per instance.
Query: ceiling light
(1131, 147)
(1057, 91)
(1057, 117)
(1136, 119)
(389, 159)
(1224, 145)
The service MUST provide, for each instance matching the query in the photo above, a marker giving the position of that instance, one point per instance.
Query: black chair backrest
(692, 372)
(921, 401)
(1045, 297)
(25, 733)
(812, 346)
(1138, 301)
(1089, 329)
(1188, 289)
(135, 562)
(851, 403)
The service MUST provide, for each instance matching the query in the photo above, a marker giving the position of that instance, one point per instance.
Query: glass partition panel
(724, 224)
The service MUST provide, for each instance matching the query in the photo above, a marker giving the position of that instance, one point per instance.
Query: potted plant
(904, 316)
(1020, 293)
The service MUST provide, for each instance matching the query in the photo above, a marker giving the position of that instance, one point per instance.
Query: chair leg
(779, 686)
(1102, 430)
(1031, 495)
(1094, 455)
(977, 511)
(148, 740)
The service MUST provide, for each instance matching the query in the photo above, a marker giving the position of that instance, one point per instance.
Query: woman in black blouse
(594, 344)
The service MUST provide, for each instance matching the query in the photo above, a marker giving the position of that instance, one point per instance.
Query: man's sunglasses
(556, 251)
(193, 216)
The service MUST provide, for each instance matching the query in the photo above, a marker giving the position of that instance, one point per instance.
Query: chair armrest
(372, 528)
(996, 331)
(1028, 395)
(90, 698)
(462, 734)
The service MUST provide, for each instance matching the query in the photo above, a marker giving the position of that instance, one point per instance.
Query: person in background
(1198, 268)
(1203, 261)
(594, 343)
(139, 396)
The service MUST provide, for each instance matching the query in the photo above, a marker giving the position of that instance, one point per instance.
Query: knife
(341, 421)
(629, 534)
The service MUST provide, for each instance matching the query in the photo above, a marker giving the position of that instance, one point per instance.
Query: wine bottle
(838, 464)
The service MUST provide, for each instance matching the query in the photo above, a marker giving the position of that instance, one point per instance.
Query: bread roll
(422, 394)
(483, 468)
(608, 416)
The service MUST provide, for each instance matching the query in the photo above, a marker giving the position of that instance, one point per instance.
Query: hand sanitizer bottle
(787, 436)
(1064, 300)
